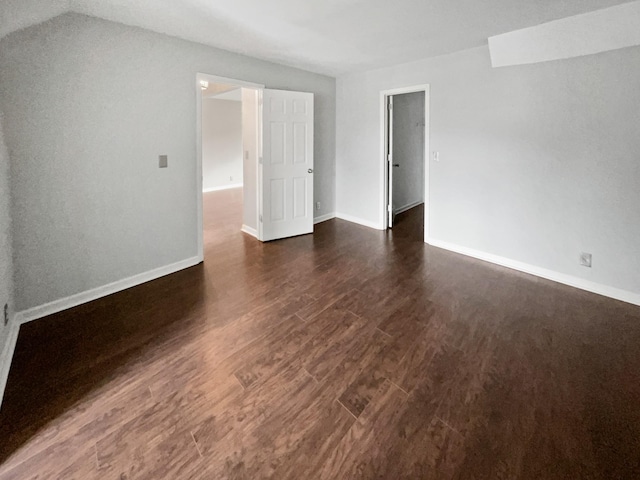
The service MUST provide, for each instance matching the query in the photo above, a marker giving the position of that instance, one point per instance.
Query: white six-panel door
(287, 164)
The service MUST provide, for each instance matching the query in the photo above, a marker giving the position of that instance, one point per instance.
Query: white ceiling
(326, 36)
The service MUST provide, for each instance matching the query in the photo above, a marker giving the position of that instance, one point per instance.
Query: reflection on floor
(350, 353)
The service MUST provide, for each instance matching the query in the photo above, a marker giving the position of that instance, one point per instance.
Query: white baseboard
(6, 355)
(359, 221)
(95, 293)
(323, 218)
(589, 286)
(408, 207)
(250, 231)
(223, 187)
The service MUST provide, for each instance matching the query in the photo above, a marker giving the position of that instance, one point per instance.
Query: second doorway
(405, 149)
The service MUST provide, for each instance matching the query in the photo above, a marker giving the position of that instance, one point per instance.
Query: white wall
(221, 143)
(250, 147)
(408, 150)
(6, 267)
(89, 105)
(538, 162)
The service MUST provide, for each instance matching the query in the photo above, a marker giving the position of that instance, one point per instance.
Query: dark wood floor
(351, 353)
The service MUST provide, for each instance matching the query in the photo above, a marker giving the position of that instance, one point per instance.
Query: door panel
(300, 143)
(278, 146)
(299, 197)
(277, 186)
(287, 164)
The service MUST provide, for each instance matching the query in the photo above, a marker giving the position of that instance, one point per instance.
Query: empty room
(323, 240)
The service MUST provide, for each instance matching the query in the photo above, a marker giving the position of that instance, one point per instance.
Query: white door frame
(384, 173)
(259, 228)
(199, 199)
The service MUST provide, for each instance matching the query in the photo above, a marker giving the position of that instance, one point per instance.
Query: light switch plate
(163, 161)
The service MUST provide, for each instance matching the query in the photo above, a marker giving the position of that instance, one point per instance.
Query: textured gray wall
(89, 105)
(6, 266)
(538, 162)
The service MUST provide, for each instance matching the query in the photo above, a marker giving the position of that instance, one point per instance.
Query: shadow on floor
(82, 349)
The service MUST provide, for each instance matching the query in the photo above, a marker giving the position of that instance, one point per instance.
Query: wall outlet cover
(163, 161)
(585, 259)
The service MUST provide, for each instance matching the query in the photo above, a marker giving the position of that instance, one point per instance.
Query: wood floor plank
(334, 329)
(326, 361)
(349, 353)
(102, 412)
(435, 452)
(345, 378)
(168, 456)
(70, 459)
(285, 429)
(394, 355)
(364, 450)
(313, 449)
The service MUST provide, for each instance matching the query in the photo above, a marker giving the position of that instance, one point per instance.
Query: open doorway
(222, 149)
(228, 147)
(277, 174)
(405, 147)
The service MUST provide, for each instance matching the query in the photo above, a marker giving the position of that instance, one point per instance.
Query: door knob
(310, 170)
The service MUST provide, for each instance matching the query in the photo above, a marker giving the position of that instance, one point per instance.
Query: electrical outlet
(6, 313)
(585, 259)
(163, 161)
(317, 205)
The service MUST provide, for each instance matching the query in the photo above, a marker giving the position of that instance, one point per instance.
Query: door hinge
(389, 208)
(260, 218)
(389, 106)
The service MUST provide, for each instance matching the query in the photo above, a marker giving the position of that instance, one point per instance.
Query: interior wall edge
(249, 231)
(408, 206)
(360, 221)
(7, 353)
(576, 282)
(323, 218)
(76, 299)
(224, 187)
